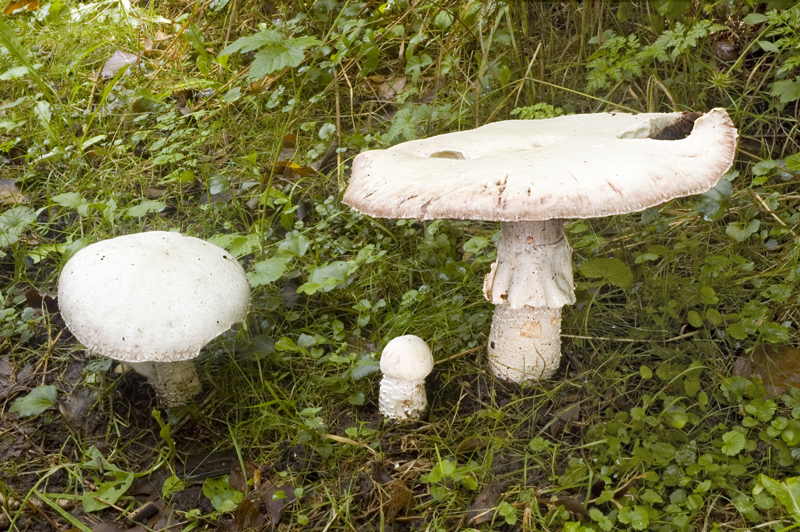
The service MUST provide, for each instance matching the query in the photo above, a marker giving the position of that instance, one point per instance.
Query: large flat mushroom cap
(155, 296)
(577, 166)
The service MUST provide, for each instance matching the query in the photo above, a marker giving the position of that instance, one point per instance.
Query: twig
(348, 441)
(770, 211)
(31, 505)
(458, 355)
(632, 340)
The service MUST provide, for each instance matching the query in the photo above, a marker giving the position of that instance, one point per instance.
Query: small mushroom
(405, 362)
(531, 175)
(153, 300)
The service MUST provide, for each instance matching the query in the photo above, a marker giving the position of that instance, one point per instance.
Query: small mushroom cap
(577, 166)
(154, 296)
(407, 358)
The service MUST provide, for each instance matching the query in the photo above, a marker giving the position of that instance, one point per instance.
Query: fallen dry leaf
(565, 417)
(397, 496)
(20, 6)
(482, 510)
(117, 60)
(10, 193)
(265, 83)
(276, 506)
(247, 515)
(573, 506)
(777, 365)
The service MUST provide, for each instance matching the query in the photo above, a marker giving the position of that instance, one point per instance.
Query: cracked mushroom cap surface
(152, 297)
(576, 166)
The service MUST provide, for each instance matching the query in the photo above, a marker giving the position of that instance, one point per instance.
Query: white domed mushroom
(530, 175)
(405, 362)
(153, 300)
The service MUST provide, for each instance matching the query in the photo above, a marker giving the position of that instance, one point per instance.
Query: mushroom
(531, 175)
(153, 300)
(405, 362)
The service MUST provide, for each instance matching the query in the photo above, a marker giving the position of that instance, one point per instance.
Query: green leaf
(638, 517)
(755, 18)
(71, 200)
(252, 42)
(672, 8)
(788, 91)
(675, 416)
(793, 162)
(92, 141)
(733, 443)
(475, 244)
(326, 278)
(37, 401)
(740, 232)
(694, 319)
(222, 496)
(8, 39)
(614, 271)
(268, 271)
(14, 73)
(145, 207)
(603, 522)
(787, 493)
(167, 158)
(107, 492)
(13, 223)
(768, 46)
(172, 486)
(778, 292)
(278, 55)
(356, 399)
(232, 95)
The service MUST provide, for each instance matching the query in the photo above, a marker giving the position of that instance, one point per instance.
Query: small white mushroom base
(402, 400)
(525, 343)
(175, 383)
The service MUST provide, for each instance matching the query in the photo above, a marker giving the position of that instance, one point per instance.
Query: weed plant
(237, 123)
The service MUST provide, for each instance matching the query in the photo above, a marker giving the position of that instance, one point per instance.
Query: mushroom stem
(174, 382)
(402, 400)
(525, 343)
(529, 283)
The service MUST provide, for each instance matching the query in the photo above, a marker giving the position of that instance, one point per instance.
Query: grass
(650, 423)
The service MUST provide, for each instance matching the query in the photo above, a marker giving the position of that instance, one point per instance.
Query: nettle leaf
(268, 271)
(252, 42)
(787, 493)
(281, 54)
(733, 443)
(788, 91)
(37, 401)
(614, 271)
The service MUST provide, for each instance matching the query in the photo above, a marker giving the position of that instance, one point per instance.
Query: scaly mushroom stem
(402, 400)
(529, 283)
(174, 382)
